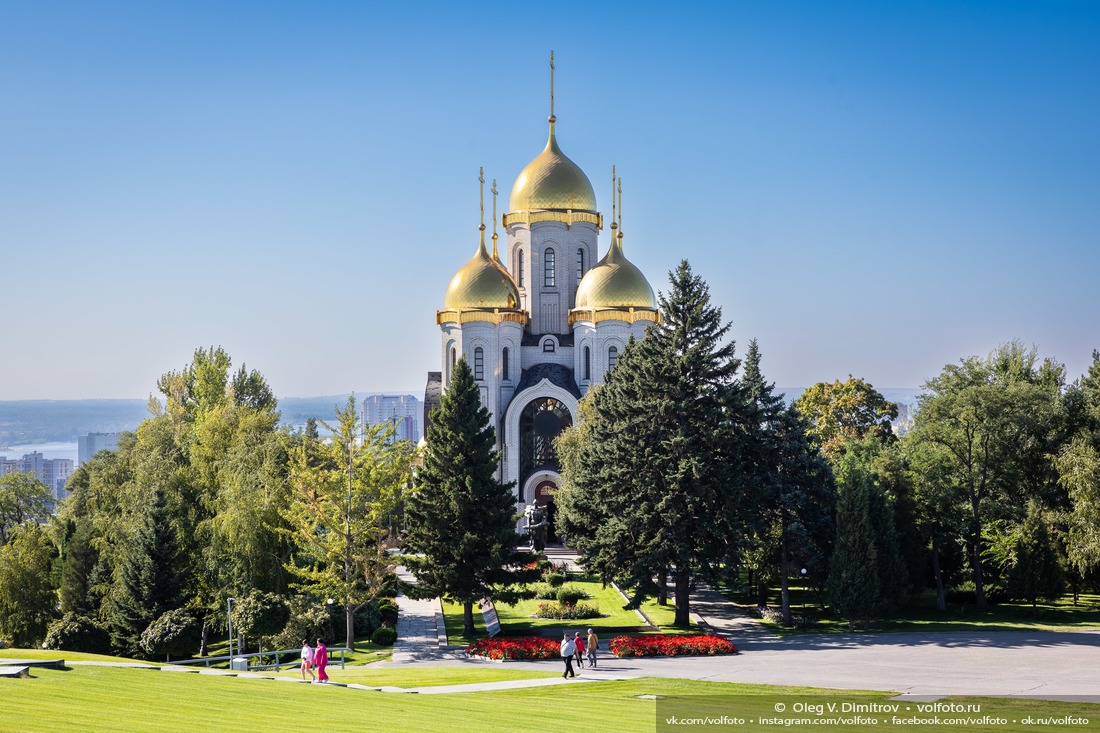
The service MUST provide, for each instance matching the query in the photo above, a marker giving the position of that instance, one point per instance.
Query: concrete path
(721, 617)
(421, 635)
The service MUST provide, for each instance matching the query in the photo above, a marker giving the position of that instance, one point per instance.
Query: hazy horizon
(869, 189)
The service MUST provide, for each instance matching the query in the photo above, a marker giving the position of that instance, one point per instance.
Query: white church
(542, 326)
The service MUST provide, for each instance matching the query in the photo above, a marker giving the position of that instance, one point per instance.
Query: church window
(548, 346)
(580, 264)
(454, 358)
(520, 268)
(504, 364)
(479, 363)
(612, 357)
(541, 421)
(548, 271)
(587, 363)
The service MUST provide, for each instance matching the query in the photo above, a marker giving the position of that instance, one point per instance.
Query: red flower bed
(663, 645)
(525, 647)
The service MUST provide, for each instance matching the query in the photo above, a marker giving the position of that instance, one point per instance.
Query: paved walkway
(421, 636)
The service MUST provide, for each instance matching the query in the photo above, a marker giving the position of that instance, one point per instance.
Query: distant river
(49, 450)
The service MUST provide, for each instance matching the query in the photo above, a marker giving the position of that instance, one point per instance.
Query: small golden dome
(552, 181)
(615, 282)
(481, 283)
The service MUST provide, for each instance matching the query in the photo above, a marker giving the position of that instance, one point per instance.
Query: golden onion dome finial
(552, 182)
(614, 208)
(482, 283)
(496, 254)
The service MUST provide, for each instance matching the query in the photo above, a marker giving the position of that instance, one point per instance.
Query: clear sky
(869, 188)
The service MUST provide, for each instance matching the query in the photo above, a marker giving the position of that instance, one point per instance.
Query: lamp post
(229, 615)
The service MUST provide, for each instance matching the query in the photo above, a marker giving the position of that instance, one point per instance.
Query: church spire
(496, 254)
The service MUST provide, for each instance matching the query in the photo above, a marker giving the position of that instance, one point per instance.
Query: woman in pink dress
(320, 660)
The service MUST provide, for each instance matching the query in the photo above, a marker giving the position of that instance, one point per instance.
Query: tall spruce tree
(794, 492)
(461, 519)
(659, 481)
(855, 592)
(148, 579)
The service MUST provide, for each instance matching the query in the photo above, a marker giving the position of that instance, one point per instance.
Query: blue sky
(869, 188)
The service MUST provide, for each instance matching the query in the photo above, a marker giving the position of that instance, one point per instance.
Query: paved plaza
(1004, 663)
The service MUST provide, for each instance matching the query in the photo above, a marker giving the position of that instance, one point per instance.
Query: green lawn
(109, 700)
(921, 615)
(67, 656)
(425, 676)
(518, 620)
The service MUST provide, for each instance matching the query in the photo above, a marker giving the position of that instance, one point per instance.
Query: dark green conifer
(461, 518)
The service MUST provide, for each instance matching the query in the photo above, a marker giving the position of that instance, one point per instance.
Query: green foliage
(1036, 570)
(570, 594)
(148, 580)
(384, 636)
(657, 479)
(76, 633)
(387, 611)
(175, 633)
(27, 599)
(567, 611)
(843, 411)
(344, 495)
(461, 519)
(855, 588)
(22, 498)
(260, 614)
(554, 580)
(307, 618)
(989, 426)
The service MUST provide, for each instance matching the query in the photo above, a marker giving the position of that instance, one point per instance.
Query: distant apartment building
(92, 443)
(54, 472)
(402, 411)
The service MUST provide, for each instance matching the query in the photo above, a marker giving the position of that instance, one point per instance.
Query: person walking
(320, 660)
(568, 649)
(592, 645)
(579, 643)
(307, 660)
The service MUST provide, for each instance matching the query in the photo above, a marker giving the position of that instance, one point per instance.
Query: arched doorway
(543, 419)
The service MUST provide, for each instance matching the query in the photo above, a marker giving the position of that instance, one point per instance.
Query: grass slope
(109, 700)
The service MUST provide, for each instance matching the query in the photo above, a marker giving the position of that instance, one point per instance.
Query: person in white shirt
(307, 660)
(568, 649)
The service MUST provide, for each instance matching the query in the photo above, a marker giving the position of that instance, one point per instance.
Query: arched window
(541, 421)
(612, 357)
(520, 268)
(479, 363)
(454, 358)
(504, 364)
(587, 363)
(580, 264)
(548, 346)
(548, 271)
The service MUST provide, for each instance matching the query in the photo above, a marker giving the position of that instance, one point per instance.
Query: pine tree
(461, 519)
(1037, 572)
(148, 581)
(854, 589)
(660, 479)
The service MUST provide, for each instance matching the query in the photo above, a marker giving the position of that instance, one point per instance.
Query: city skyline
(869, 190)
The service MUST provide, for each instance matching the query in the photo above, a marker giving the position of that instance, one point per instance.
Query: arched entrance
(544, 497)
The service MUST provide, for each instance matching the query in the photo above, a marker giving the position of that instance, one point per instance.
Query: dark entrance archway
(544, 497)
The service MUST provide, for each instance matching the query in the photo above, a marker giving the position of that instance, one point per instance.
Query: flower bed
(526, 647)
(567, 611)
(662, 645)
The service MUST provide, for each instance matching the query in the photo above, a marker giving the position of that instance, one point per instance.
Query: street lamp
(229, 614)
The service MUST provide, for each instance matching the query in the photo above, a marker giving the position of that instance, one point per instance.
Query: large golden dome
(552, 182)
(481, 283)
(615, 282)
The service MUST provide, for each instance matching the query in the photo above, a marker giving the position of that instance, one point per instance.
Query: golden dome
(615, 282)
(552, 181)
(481, 283)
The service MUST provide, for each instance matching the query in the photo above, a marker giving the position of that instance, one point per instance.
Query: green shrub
(387, 610)
(554, 580)
(570, 594)
(75, 633)
(176, 633)
(567, 611)
(545, 592)
(308, 620)
(384, 636)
